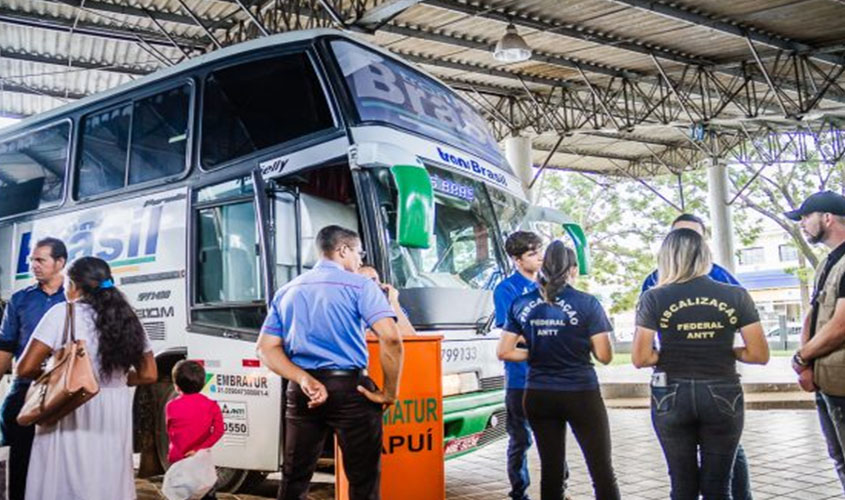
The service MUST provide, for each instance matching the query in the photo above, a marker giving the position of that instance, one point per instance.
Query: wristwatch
(798, 360)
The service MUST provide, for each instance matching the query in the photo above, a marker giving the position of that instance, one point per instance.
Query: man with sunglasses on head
(314, 336)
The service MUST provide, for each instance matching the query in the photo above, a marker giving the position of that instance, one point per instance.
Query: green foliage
(625, 222)
(781, 187)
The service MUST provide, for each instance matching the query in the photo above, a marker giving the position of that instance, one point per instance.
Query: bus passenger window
(105, 141)
(159, 135)
(149, 135)
(258, 104)
(32, 170)
(228, 263)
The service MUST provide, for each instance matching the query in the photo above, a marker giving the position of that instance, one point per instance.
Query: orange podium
(412, 450)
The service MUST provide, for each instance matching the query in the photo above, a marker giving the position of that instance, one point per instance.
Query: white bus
(204, 184)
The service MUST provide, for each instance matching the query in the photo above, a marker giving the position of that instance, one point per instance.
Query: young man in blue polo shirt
(23, 312)
(717, 272)
(314, 336)
(740, 478)
(526, 252)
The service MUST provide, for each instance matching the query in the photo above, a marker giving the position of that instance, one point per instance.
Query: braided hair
(557, 265)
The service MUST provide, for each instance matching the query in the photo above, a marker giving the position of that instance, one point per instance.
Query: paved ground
(785, 448)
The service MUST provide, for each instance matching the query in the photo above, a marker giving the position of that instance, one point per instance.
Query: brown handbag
(67, 384)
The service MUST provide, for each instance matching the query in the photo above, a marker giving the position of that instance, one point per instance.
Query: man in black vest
(820, 362)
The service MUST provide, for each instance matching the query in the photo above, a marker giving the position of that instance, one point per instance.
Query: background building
(768, 269)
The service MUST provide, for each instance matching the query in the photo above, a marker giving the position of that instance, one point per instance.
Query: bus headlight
(459, 383)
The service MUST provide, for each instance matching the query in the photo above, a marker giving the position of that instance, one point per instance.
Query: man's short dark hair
(522, 241)
(58, 250)
(330, 238)
(690, 218)
(189, 376)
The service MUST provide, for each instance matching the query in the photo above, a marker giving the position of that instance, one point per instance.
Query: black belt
(354, 372)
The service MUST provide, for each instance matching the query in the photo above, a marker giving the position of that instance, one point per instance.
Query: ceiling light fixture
(512, 47)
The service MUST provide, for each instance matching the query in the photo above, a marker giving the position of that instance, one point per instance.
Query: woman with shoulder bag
(697, 400)
(88, 453)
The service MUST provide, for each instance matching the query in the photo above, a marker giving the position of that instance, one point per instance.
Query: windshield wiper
(484, 323)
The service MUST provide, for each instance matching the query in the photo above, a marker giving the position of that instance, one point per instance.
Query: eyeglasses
(361, 253)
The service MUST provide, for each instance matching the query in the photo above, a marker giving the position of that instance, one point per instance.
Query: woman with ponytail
(561, 328)
(88, 453)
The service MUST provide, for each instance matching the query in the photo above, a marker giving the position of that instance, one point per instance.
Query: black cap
(825, 202)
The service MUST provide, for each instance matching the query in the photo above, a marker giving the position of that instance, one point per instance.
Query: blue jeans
(831, 409)
(699, 417)
(741, 479)
(519, 440)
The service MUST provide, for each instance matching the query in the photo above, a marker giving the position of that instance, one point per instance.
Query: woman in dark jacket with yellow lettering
(562, 327)
(697, 405)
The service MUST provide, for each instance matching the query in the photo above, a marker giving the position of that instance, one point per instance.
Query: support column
(720, 215)
(518, 154)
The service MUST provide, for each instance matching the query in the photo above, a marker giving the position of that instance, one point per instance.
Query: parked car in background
(793, 333)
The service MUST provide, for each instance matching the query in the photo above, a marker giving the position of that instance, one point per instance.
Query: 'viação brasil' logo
(115, 240)
(472, 166)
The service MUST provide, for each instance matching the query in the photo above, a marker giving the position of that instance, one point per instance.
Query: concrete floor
(785, 448)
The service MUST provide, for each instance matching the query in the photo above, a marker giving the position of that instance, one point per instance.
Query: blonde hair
(683, 256)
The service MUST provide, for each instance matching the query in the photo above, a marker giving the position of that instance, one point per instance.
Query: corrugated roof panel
(576, 162)
(17, 104)
(49, 76)
(810, 21)
(22, 39)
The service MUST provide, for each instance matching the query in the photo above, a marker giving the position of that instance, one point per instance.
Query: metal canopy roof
(625, 87)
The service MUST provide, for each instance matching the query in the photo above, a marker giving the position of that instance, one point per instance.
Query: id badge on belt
(658, 379)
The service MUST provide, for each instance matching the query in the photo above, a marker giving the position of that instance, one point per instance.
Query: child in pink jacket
(194, 422)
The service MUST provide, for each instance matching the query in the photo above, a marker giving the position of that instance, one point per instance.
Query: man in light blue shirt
(314, 336)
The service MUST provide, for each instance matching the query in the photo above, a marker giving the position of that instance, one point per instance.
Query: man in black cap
(820, 361)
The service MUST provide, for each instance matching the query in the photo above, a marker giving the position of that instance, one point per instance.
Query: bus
(204, 184)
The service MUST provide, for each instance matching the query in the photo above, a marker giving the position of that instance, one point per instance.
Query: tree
(625, 221)
(771, 190)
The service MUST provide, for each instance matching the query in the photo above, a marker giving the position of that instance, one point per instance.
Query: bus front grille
(492, 383)
(496, 429)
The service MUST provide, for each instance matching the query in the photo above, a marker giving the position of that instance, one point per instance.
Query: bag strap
(69, 325)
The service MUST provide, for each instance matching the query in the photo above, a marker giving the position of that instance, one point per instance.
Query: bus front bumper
(472, 421)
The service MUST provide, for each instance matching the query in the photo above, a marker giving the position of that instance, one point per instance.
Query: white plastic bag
(190, 478)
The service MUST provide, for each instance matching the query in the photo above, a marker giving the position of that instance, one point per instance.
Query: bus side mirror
(415, 217)
(582, 250)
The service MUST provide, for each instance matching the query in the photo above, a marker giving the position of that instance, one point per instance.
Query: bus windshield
(387, 91)
(451, 281)
(464, 252)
